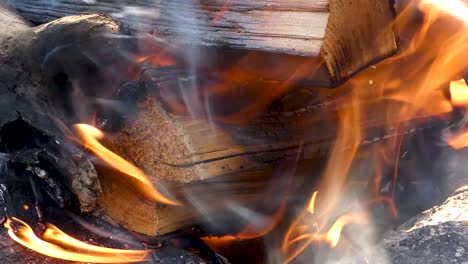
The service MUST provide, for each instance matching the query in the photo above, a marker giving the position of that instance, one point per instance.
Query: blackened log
(27, 122)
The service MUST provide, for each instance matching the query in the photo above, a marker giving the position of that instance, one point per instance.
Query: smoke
(4, 158)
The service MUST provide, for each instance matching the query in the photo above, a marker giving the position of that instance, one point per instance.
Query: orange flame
(459, 96)
(306, 230)
(458, 141)
(248, 233)
(55, 243)
(90, 136)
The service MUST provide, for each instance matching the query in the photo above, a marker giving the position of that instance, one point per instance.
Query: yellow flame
(55, 243)
(250, 232)
(306, 230)
(311, 207)
(459, 92)
(333, 235)
(90, 135)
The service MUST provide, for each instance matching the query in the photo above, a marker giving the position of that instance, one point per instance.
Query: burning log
(333, 39)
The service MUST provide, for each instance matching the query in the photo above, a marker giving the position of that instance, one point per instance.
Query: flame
(159, 60)
(333, 235)
(306, 229)
(250, 232)
(90, 135)
(459, 97)
(459, 92)
(458, 141)
(311, 207)
(55, 243)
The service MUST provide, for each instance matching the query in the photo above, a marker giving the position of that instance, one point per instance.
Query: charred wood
(31, 135)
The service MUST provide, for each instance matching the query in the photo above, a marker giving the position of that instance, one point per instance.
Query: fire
(311, 207)
(55, 243)
(253, 231)
(90, 135)
(409, 86)
(333, 235)
(307, 229)
(459, 92)
(459, 141)
(459, 97)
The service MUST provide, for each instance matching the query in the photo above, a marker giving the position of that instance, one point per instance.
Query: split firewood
(333, 38)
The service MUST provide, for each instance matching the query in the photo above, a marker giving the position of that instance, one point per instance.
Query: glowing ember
(459, 97)
(57, 244)
(90, 135)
